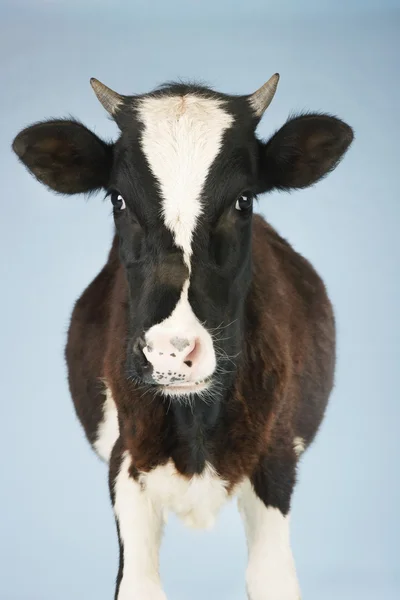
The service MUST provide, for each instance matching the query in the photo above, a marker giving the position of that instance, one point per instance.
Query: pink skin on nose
(173, 358)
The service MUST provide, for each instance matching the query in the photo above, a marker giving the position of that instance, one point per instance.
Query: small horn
(108, 98)
(262, 98)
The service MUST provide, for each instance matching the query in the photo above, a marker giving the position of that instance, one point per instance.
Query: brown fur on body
(284, 377)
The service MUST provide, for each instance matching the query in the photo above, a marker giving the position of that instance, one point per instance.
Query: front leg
(264, 503)
(139, 524)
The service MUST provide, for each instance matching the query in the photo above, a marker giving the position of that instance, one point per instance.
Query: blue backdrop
(57, 538)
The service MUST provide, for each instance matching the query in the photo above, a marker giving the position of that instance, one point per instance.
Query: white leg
(140, 528)
(271, 573)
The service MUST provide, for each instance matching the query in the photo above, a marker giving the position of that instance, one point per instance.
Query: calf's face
(182, 179)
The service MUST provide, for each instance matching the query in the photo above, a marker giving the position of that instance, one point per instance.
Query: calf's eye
(117, 201)
(244, 202)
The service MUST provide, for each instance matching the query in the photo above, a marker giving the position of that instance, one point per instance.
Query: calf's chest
(195, 500)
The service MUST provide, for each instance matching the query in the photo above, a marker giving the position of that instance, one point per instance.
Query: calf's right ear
(65, 156)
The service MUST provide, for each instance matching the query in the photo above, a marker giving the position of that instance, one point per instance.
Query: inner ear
(65, 156)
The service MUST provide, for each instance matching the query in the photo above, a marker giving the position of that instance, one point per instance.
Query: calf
(201, 357)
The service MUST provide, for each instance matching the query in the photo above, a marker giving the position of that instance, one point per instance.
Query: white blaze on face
(182, 137)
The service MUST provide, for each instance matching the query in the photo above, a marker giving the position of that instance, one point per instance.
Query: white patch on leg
(271, 573)
(299, 446)
(108, 430)
(140, 524)
(182, 137)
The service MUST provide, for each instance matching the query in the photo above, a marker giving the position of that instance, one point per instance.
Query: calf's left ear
(65, 156)
(303, 151)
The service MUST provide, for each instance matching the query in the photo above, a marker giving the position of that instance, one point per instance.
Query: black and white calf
(201, 357)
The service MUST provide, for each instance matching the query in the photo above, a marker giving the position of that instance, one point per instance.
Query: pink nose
(173, 357)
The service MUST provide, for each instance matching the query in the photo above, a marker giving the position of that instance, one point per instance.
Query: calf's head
(182, 178)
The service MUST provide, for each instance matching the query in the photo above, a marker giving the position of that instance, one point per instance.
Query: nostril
(193, 354)
(138, 348)
(139, 345)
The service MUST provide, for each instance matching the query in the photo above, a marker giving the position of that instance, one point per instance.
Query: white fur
(182, 323)
(271, 573)
(299, 445)
(140, 525)
(181, 139)
(108, 430)
(141, 509)
(196, 501)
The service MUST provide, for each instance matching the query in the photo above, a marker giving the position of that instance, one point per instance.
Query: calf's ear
(65, 156)
(304, 150)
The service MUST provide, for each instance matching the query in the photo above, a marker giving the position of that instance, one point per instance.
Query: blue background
(57, 538)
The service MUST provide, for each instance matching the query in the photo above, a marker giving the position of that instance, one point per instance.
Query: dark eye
(244, 202)
(117, 201)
